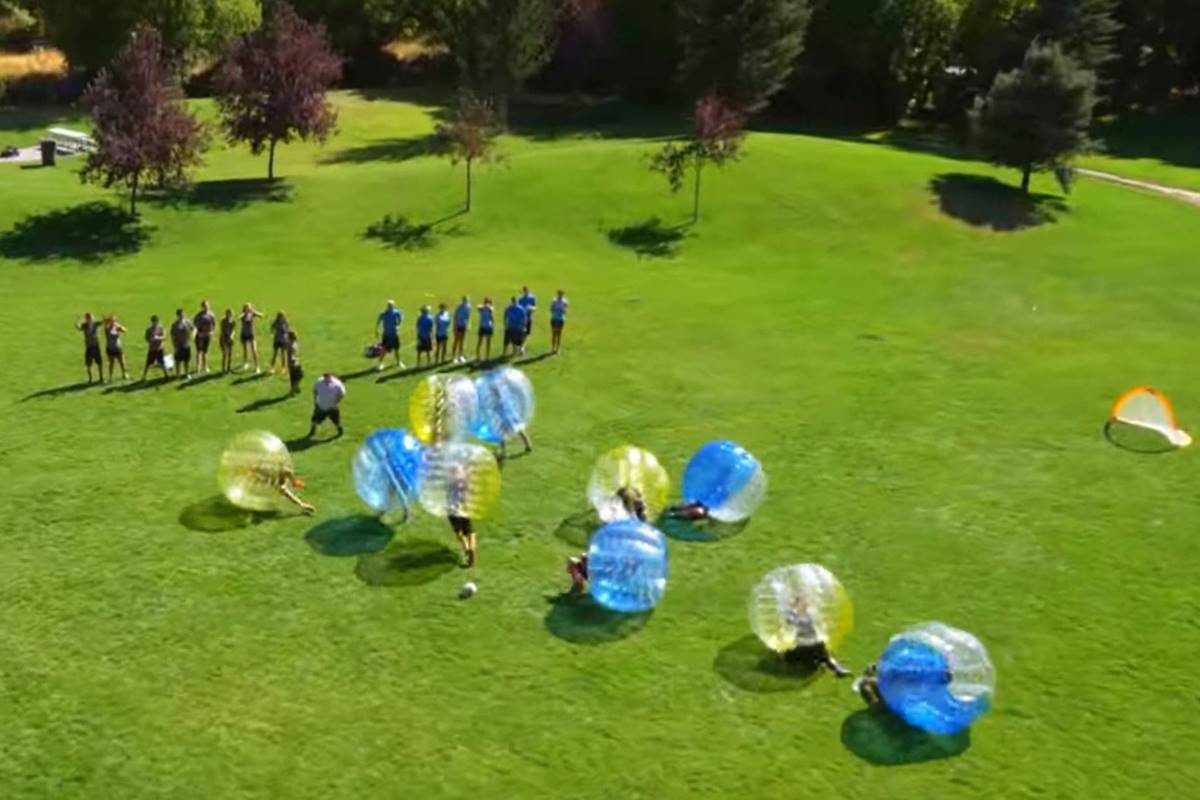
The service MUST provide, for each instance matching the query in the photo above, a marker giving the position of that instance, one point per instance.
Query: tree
(742, 50)
(271, 84)
(1037, 117)
(471, 135)
(497, 44)
(718, 129)
(1087, 30)
(141, 127)
(918, 36)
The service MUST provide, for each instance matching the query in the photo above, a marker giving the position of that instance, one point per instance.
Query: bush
(39, 89)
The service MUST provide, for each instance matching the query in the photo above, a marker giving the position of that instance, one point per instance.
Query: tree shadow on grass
(985, 202)
(400, 234)
(576, 529)
(880, 738)
(395, 150)
(707, 530)
(216, 514)
(91, 233)
(406, 563)
(579, 619)
(227, 195)
(70, 388)
(349, 536)
(748, 665)
(649, 238)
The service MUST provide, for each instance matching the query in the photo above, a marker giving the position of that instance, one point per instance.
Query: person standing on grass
(487, 324)
(528, 303)
(462, 320)
(425, 335)
(228, 324)
(558, 319)
(389, 321)
(205, 324)
(514, 328)
(181, 339)
(280, 342)
(459, 522)
(155, 337)
(91, 344)
(295, 372)
(249, 342)
(328, 392)
(114, 348)
(441, 332)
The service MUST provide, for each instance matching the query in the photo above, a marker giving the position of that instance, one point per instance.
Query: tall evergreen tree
(1087, 30)
(741, 50)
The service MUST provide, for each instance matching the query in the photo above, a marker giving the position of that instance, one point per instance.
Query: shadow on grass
(199, 380)
(396, 374)
(216, 514)
(748, 665)
(349, 536)
(1136, 440)
(265, 402)
(885, 740)
(985, 202)
(138, 385)
(395, 150)
(706, 530)
(579, 619)
(400, 234)
(407, 563)
(91, 233)
(250, 378)
(57, 391)
(302, 443)
(649, 238)
(1167, 134)
(576, 529)
(228, 195)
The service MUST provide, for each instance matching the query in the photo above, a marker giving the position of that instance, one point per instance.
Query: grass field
(922, 364)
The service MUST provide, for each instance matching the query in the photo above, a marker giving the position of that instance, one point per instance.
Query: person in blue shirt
(528, 302)
(389, 321)
(441, 332)
(514, 328)
(462, 320)
(487, 324)
(425, 335)
(558, 319)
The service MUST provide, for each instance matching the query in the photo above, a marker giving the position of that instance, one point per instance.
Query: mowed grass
(925, 391)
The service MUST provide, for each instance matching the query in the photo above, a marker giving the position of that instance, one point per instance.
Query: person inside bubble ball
(460, 523)
(867, 686)
(688, 511)
(285, 481)
(633, 503)
(577, 568)
(799, 617)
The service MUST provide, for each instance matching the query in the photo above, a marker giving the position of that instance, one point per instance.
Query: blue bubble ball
(504, 405)
(627, 566)
(387, 471)
(727, 479)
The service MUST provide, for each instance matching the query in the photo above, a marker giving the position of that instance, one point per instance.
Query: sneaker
(245, 366)
(258, 370)
(401, 366)
(379, 368)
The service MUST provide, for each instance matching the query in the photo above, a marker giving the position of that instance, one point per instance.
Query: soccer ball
(468, 590)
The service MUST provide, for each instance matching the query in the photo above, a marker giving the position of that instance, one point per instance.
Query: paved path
(1185, 195)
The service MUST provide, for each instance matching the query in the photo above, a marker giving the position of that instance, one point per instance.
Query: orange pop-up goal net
(1143, 419)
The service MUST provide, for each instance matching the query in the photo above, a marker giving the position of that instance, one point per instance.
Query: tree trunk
(1025, 175)
(271, 162)
(468, 184)
(133, 189)
(696, 191)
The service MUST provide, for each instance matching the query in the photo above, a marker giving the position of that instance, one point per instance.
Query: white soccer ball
(468, 590)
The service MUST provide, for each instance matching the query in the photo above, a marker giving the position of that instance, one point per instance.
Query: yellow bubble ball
(459, 479)
(253, 466)
(442, 408)
(801, 605)
(627, 467)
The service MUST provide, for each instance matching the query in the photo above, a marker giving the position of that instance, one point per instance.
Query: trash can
(49, 151)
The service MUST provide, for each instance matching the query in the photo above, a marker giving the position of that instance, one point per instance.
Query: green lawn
(926, 392)
(1160, 148)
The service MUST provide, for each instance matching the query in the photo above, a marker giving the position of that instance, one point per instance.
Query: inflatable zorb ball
(253, 467)
(936, 678)
(627, 467)
(504, 400)
(627, 566)
(442, 408)
(802, 605)
(459, 479)
(387, 471)
(726, 479)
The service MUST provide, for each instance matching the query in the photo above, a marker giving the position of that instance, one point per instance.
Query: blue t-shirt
(443, 324)
(558, 310)
(391, 319)
(514, 317)
(485, 317)
(527, 302)
(425, 325)
(462, 315)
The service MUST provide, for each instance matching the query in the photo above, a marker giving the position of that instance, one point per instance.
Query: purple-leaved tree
(717, 132)
(470, 136)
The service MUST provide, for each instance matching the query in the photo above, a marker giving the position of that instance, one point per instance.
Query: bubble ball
(627, 566)
(504, 405)
(627, 467)
(387, 471)
(459, 479)
(253, 467)
(442, 408)
(727, 479)
(936, 678)
(801, 605)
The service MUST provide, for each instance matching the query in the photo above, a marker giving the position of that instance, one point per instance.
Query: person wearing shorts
(528, 302)
(328, 392)
(228, 325)
(155, 338)
(388, 325)
(425, 327)
(487, 324)
(558, 319)
(205, 324)
(460, 523)
(279, 342)
(113, 347)
(91, 344)
(441, 333)
(462, 320)
(295, 371)
(181, 339)
(514, 328)
(249, 343)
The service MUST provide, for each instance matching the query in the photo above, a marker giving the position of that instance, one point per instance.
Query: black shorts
(295, 373)
(226, 343)
(202, 340)
(183, 355)
(334, 415)
(460, 525)
(514, 336)
(91, 355)
(557, 324)
(247, 338)
(441, 339)
(156, 357)
(391, 342)
(424, 344)
(528, 324)
(485, 333)
(114, 352)
(460, 330)
(280, 345)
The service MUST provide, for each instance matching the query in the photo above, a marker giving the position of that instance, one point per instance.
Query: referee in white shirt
(328, 392)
